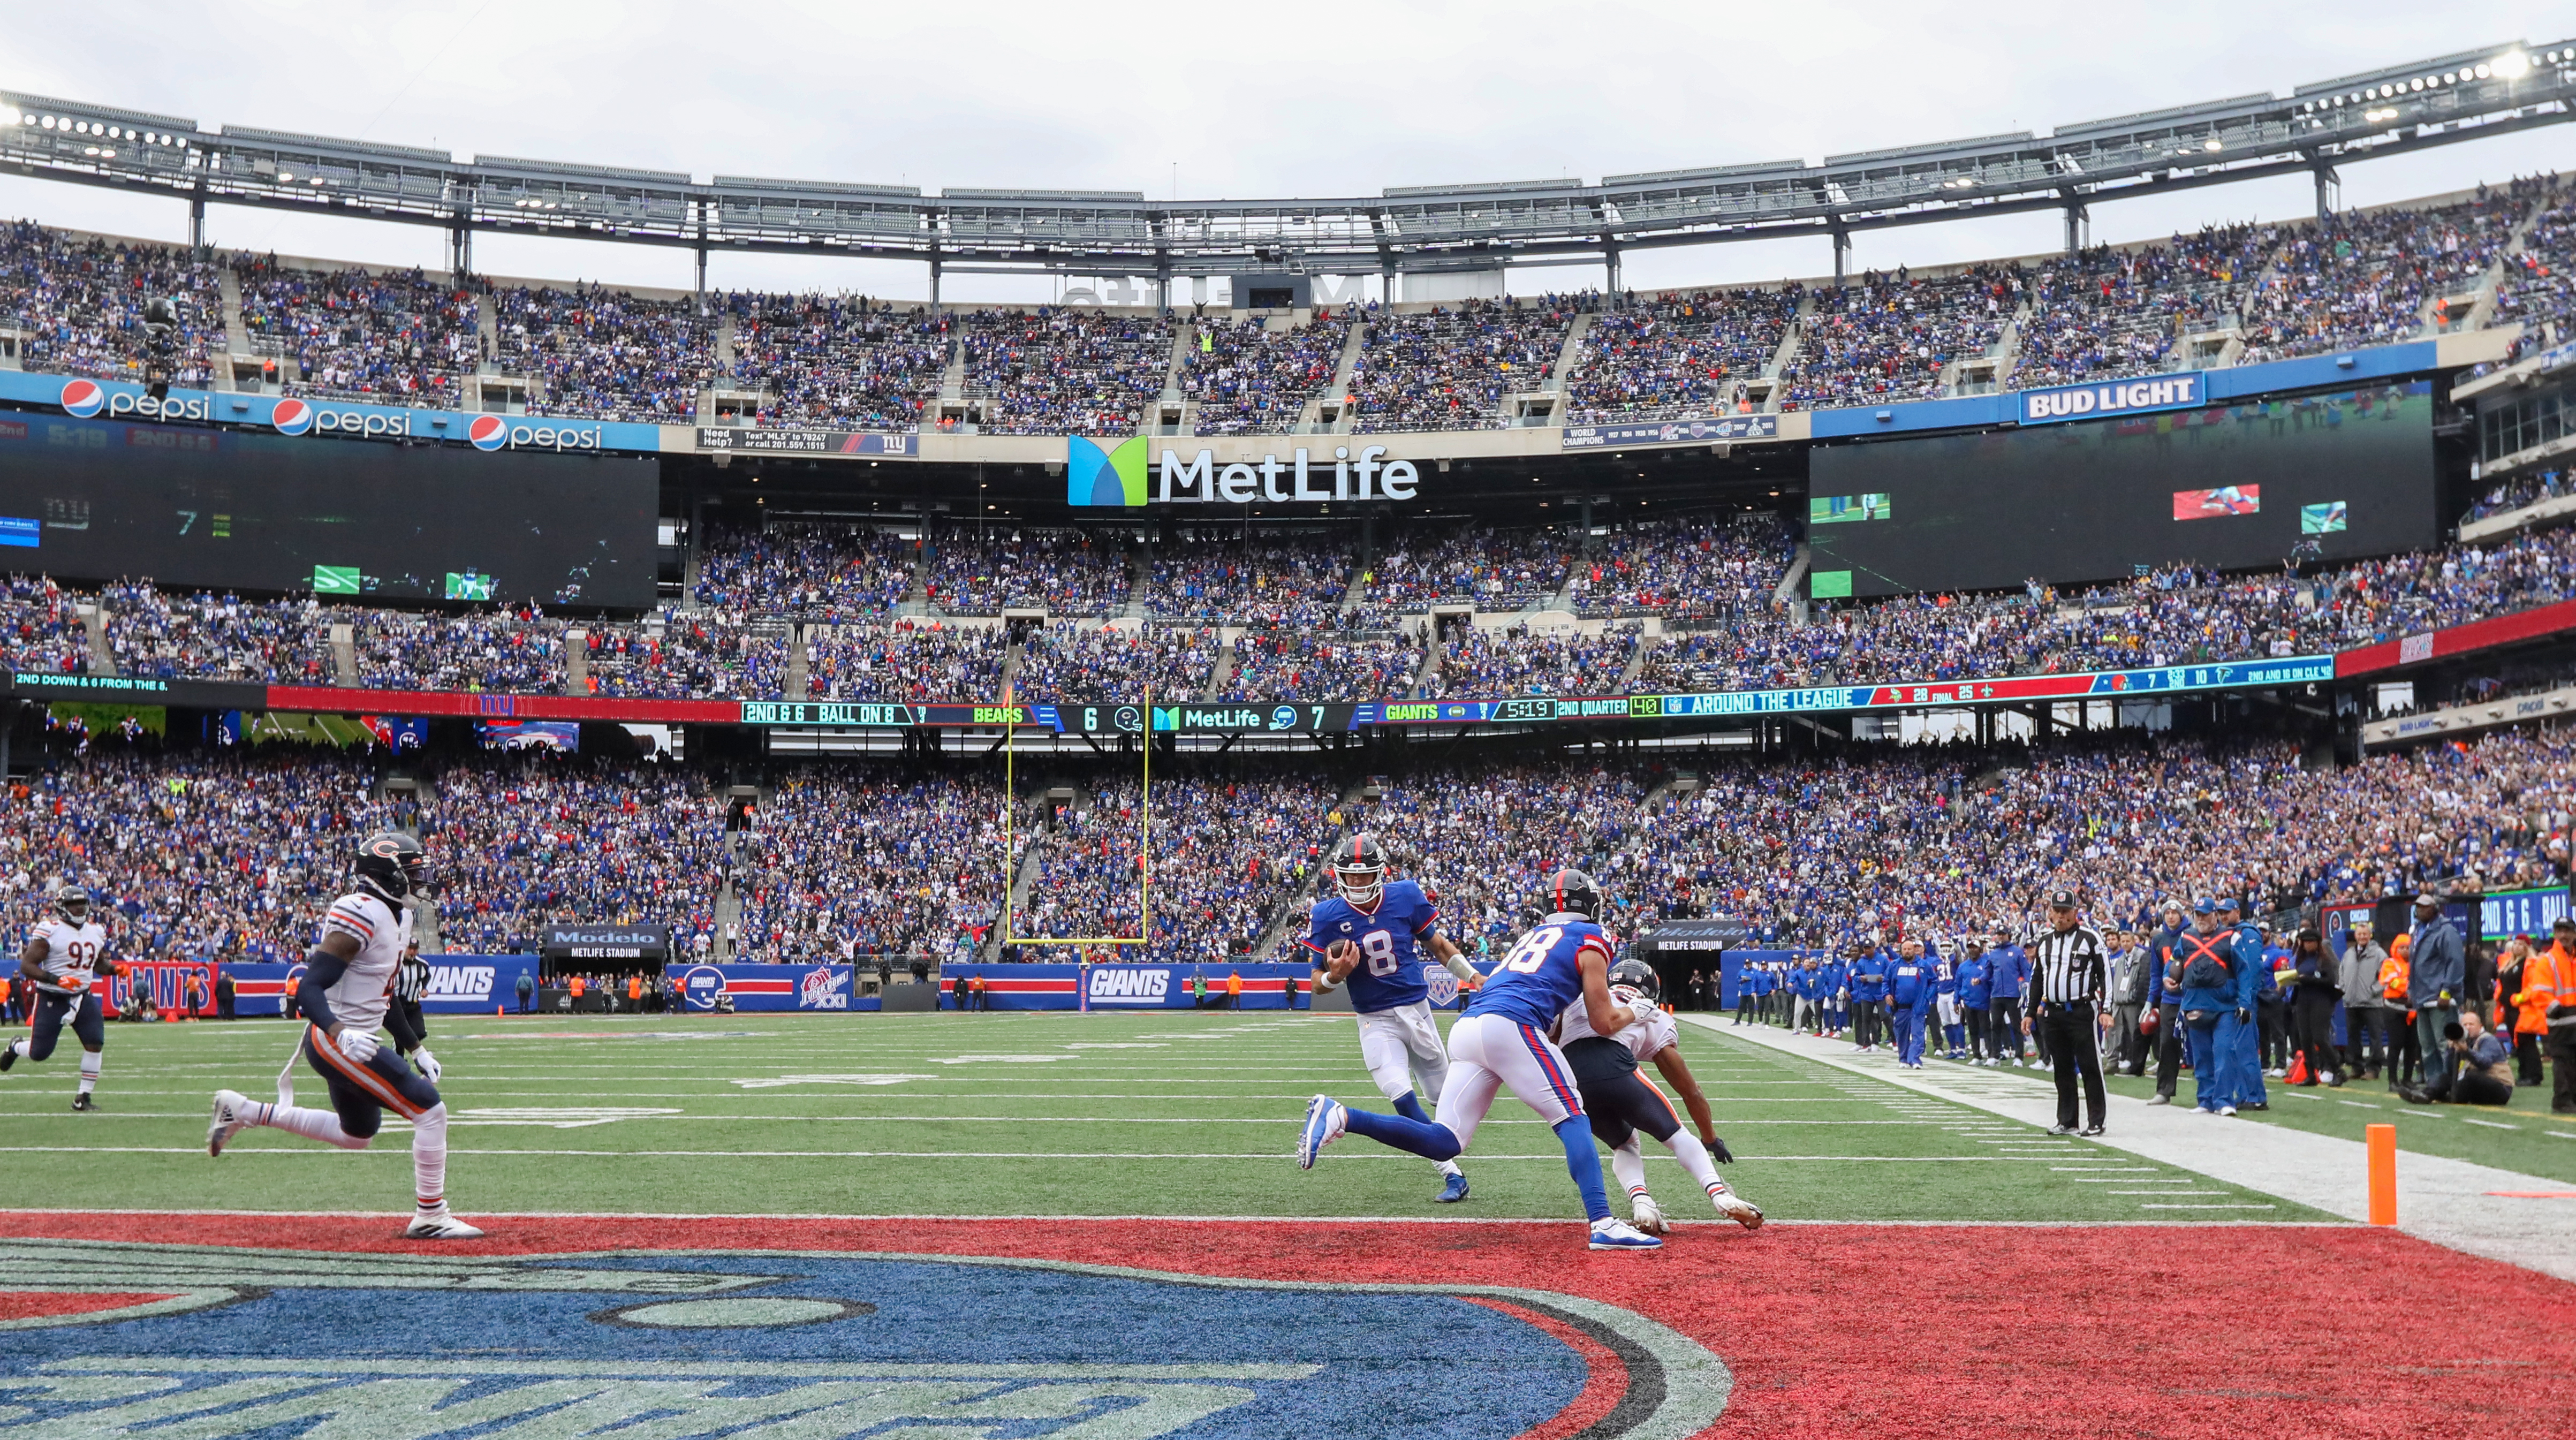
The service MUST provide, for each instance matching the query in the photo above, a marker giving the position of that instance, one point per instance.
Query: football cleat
(2061, 1129)
(1453, 1192)
(1649, 1216)
(227, 1121)
(2091, 1130)
(2226, 1109)
(1609, 1234)
(82, 1101)
(439, 1225)
(8, 1056)
(1323, 1127)
(1738, 1209)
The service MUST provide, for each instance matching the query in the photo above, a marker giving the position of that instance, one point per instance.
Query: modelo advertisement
(706, 988)
(458, 984)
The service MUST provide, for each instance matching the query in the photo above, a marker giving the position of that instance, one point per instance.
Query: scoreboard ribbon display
(1293, 717)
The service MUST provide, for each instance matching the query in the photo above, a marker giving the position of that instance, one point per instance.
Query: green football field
(1042, 1115)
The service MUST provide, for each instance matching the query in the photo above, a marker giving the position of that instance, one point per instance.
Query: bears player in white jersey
(344, 997)
(1620, 1101)
(1367, 937)
(63, 957)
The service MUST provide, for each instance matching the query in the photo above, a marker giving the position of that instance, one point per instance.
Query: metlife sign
(1119, 476)
(2119, 397)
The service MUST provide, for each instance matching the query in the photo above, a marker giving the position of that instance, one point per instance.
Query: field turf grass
(1038, 1115)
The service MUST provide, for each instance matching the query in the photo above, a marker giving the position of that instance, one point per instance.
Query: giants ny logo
(213, 1342)
(1129, 985)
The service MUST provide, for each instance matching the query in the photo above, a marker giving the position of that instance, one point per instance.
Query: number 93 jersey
(1543, 973)
(1389, 972)
(72, 955)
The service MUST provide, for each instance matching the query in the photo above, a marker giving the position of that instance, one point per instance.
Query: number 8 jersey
(72, 954)
(1389, 972)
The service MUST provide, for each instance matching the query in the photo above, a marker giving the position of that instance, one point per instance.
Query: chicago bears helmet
(72, 903)
(393, 867)
(1639, 976)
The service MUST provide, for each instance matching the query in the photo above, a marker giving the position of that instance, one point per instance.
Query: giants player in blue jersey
(1366, 937)
(1502, 1041)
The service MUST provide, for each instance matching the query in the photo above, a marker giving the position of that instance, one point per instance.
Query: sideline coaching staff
(2068, 975)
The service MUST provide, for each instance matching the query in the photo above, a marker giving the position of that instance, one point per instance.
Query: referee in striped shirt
(2069, 973)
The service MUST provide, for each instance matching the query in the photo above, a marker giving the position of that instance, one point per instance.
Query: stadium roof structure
(2393, 110)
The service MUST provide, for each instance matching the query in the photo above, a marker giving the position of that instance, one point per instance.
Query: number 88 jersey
(1389, 972)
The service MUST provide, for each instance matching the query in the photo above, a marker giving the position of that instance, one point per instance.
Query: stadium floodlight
(2512, 65)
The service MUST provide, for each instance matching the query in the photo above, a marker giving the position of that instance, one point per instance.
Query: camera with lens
(160, 345)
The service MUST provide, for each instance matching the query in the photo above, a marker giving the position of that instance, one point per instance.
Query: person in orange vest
(577, 988)
(2545, 1009)
(1234, 989)
(2405, 1053)
(635, 993)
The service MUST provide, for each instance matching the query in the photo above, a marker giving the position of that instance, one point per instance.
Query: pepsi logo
(488, 432)
(291, 417)
(83, 398)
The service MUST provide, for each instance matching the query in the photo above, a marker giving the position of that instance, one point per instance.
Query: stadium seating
(838, 363)
(1061, 371)
(1449, 369)
(79, 301)
(1249, 379)
(1678, 355)
(401, 337)
(606, 353)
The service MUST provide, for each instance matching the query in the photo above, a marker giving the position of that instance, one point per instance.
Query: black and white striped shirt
(411, 978)
(2067, 965)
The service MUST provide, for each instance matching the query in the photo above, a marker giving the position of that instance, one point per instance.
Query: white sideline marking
(1175, 1219)
(1279, 1156)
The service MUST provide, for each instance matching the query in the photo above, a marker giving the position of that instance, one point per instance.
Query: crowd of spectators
(606, 353)
(1249, 379)
(1493, 569)
(835, 361)
(1890, 336)
(1448, 369)
(1058, 370)
(1494, 664)
(849, 859)
(41, 627)
(522, 841)
(913, 661)
(2103, 314)
(1067, 572)
(79, 303)
(1485, 838)
(1684, 354)
(2514, 492)
(1271, 579)
(205, 636)
(2364, 277)
(1085, 661)
(1695, 567)
(400, 337)
(2538, 287)
(1327, 665)
(419, 650)
(818, 570)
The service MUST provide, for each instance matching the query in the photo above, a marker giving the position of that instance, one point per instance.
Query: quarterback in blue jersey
(1368, 937)
(1502, 1042)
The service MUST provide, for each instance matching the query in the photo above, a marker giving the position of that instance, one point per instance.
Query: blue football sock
(1410, 1108)
(1422, 1137)
(1584, 1163)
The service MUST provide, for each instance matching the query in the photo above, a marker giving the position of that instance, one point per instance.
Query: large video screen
(98, 500)
(2318, 477)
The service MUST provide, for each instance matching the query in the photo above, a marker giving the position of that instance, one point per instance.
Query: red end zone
(1828, 1329)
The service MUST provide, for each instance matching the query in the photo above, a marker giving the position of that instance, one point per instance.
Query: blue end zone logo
(271, 1343)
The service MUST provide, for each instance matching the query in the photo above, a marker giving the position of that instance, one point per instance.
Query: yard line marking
(2488, 1124)
(2151, 1205)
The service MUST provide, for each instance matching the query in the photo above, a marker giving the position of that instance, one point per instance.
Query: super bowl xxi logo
(824, 988)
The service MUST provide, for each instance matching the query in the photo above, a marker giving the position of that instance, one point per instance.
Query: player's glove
(358, 1045)
(1718, 1152)
(2243, 1015)
(427, 1064)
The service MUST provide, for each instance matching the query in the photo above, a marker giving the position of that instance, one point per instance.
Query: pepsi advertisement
(240, 510)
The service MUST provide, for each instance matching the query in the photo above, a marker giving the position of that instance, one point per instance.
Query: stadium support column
(702, 277)
(1610, 263)
(2329, 190)
(197, 220)
(1842, 252)
(460, 248)
(2076, 218)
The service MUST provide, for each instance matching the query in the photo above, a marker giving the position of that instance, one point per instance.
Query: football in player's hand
(1340, 956)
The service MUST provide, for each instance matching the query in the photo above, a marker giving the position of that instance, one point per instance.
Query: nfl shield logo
(1442, 985)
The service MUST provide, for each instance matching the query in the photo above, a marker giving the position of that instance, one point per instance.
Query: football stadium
(1005, 812)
